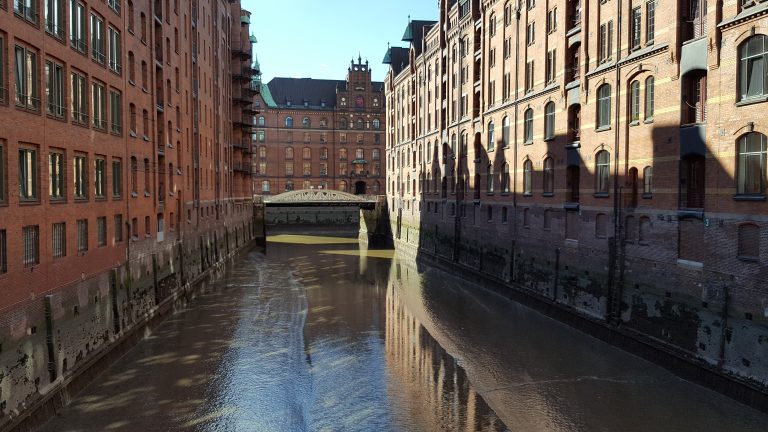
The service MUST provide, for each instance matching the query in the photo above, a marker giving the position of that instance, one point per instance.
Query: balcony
(242, 51)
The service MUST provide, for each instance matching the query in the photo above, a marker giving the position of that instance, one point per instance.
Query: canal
(323, 334)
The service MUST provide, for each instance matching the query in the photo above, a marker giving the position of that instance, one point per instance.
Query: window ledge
(527, 142)
(635, 123)
(549, 139)
(649, 120)
(571, 206)
(527, 194)
(601, 195)
(745, 197)
(603, 129)
(134, 194)
(573, 145)
(752, 101)
(548, 194)
(749, 259)
(646, 196)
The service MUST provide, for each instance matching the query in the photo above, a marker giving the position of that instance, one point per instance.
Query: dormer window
(288, 102)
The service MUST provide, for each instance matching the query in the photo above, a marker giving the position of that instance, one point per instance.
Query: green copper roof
(245, 19)
(253, 39)
(267, 96)
(408, 35)
(388, 57)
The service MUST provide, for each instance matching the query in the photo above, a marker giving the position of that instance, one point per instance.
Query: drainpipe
(614, 285)
(515, 140)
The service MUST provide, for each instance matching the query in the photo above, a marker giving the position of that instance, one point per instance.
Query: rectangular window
(2, 172)
(54, 18)
(59, 240)
(27, 92)
(26, 9)
(100, 177)
(530, 34)
(289, 168)
(492, 57)
(80, 169)
(3, 253)
(114, 5)
(79, 96)
(115, 63)
(115, 112)
(99, 103)
(82, 235)
(606, 41)
(307, 171)
(77, 25)
(56, 168)
(552, 20)
(101, 231)
(97, 39)
(551, 56)
(54, 74)
(650, 21)
(3, 88)
(27, 174)
(634, 37)
(118, 228)
(529, 76)
(117, 178)
(491, 92)
(31, 241)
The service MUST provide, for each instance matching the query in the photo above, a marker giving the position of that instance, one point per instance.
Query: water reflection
(323, 334)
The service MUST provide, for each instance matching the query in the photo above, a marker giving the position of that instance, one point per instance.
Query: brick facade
(325, 134)
(621, 143)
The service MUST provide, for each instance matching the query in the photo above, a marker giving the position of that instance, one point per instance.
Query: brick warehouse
(599, 157)
(125, 177)
(321, 134)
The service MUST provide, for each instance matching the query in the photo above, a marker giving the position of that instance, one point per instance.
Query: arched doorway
(360, 188)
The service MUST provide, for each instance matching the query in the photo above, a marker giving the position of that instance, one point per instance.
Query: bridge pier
(374, 223)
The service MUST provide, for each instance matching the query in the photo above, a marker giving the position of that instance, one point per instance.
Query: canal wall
(705, 323)
(51, 347)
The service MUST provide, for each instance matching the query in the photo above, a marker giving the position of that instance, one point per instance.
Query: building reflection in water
(430, 383)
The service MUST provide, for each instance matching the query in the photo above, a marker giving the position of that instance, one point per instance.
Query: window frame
(603, 107)
(29, 184)
(743, 156)
(602, 173)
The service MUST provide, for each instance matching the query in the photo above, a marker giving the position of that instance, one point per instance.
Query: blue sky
(317, 39)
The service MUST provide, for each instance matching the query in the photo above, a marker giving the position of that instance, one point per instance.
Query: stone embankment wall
(51, 347)
(704, 322)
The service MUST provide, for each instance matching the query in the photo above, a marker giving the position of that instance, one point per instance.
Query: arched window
(647, 181)
(602, 171)
(604, 106)
(263, 152)
(306, 153)
(375, 154)
(549, 176)
(751, 170)
(453, 145)
(343, 154)
(289, 152)
(634, 101)
(359, 153)
(649, 96)
(323, 152)
(549, 120)
(643, 230)
(376, 123)
(343, 123)
(749, 241)
(265, 186)
(528, 126)
(629, 229)
(492, 25)
(343, 186)
(527, 177)
(306, 122)
(505, 178)
(359, 124)
(491, 138)
(323, 122)
(753, 67)
(505, 131)
(490, 178)
(262, 122)
(289, 122)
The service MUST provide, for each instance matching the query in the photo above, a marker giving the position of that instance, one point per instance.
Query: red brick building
(320, 134)
(124, 168)
(609, 156)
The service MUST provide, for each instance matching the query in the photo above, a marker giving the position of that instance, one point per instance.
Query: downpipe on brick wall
(513, 258)
(614, 283)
